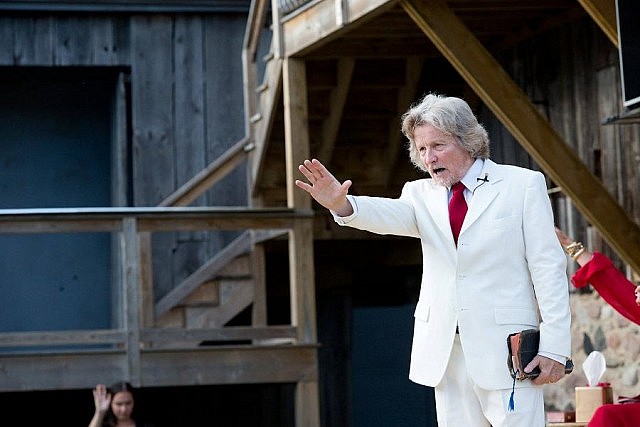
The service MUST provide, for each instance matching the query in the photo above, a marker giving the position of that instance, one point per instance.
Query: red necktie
(457, 209)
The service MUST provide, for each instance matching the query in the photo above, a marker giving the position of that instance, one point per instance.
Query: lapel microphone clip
(485, 179)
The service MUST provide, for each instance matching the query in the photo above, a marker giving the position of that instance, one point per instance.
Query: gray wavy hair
(450, 115)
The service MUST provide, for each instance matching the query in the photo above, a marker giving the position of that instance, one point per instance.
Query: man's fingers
(551, 371)
(303, 185)
(312, 171)
(306, 172)
(320, 167)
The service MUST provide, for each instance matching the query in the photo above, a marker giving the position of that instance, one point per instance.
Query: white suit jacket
(507, 273)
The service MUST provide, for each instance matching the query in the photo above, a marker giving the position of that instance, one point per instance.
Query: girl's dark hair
(121, 386)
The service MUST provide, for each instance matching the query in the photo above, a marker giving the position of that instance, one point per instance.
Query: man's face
(445, 160)
(638, 294)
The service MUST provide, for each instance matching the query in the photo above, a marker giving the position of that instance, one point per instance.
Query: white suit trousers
(459, 402)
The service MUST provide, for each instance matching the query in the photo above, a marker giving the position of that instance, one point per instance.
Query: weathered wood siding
(572, 74)
(186, 103)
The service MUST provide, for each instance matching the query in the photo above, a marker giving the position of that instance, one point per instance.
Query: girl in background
(114, 406)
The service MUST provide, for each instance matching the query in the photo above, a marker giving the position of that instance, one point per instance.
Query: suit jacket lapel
(483, 194)
(438, 206)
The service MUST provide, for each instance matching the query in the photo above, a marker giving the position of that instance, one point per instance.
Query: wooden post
(301, 270)
(276, 36)
(131, 297)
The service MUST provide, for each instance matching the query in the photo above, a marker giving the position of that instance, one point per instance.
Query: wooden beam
(246, 365)
(296, 127)
(270, 95)
(518, 114)
(154, 335)
(307, 411)
(406, 95)
(131, 297)
(301, 239)
(603, 12)
(337, 100)
(51, 338)
(229, 333)
(276, 30)
(258, 267)
(79, 220)
(301, 269)
(255, 23)
(161, 367)
(317, 24)
(146, 279)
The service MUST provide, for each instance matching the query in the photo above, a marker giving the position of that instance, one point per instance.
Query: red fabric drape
(616, 415)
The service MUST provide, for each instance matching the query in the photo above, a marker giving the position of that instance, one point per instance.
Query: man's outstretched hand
(325, 188)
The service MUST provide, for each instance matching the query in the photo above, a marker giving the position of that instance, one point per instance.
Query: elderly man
(492, 265)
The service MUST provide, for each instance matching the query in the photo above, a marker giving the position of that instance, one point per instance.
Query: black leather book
(523, 347)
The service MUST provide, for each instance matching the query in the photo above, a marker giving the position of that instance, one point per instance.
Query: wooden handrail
(152, 336)
(49, 338)
(255, 22)
(211, 174)
(152, 219)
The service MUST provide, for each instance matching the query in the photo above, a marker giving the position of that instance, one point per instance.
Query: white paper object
(594, 367)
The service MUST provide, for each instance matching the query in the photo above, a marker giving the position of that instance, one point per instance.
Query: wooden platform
(168, 367)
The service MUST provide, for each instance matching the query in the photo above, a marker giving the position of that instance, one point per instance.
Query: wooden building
(149, 219)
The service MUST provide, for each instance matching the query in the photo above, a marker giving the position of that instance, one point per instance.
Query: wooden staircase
(214, 302)
(220, 290)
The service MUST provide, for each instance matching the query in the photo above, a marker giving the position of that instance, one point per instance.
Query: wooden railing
(127, 224)
(288, 6)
